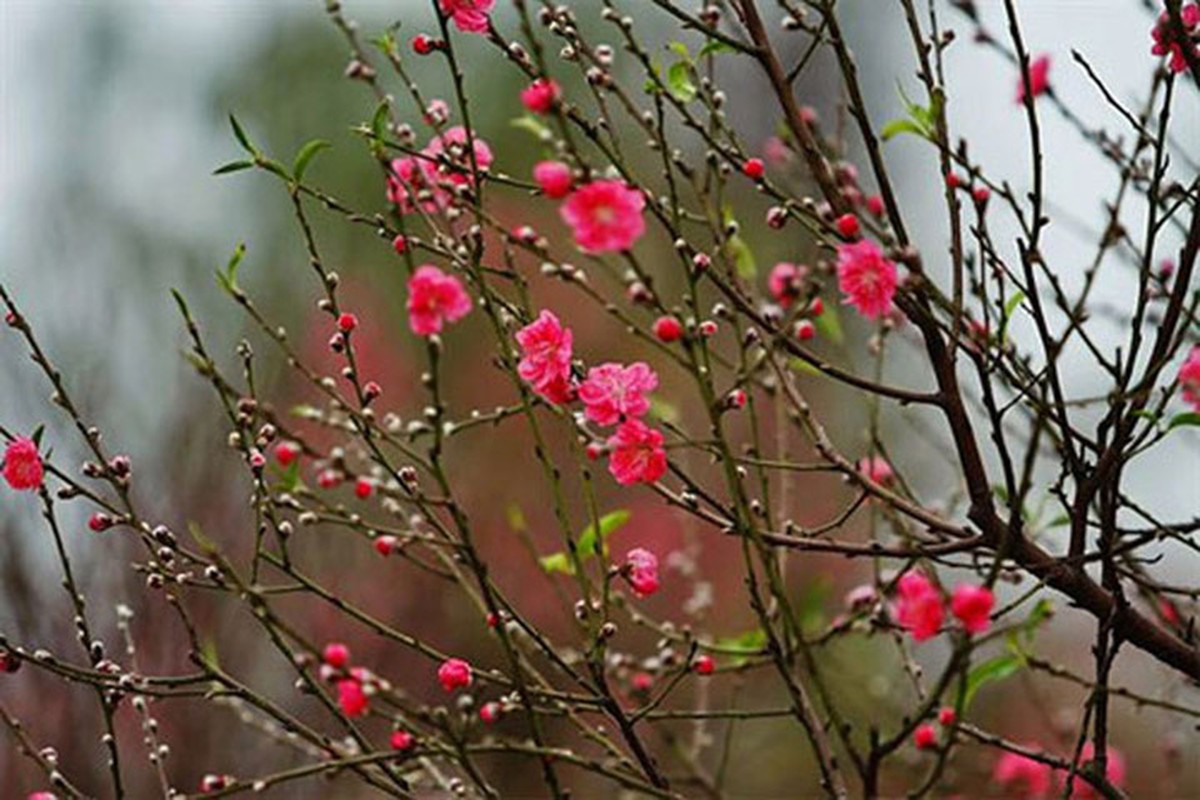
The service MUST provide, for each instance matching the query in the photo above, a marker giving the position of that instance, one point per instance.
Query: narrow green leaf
(533, 125)
(240, 135)
(227, 278)
(750, 643)
(197, 533)
(1010, 308)
(680, 49)
(899, 126)
(379, 120)
(803, 366)
(37, 435)
(558, 562)
(608, 524)
(271, 165)
(990, 671)
(743, 257)
(208, 653)
(306, 155)
(1188, 418)
(233, 166)
(585, 546)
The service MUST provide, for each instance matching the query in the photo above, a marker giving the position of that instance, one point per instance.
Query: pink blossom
(636, 453)
(1189, 378)
(613, 392)
(866, 278)
(336, 655)
(23, 464)
(876, 469)
(43, 796)
(351, 697)
(409, 176)
(1114, 771)
(641, 569)
(471, 16)
(776, 150)
(546, 357)
(541, 95)
(435, 299)
(401, 740)
(553, 178)
(1021, 776)
(972, 606)
(919, 607)
(1039, 78)
(454, 673)
(1166, 43)
(860, 597)
(605, 216)
(786, 281)
(451, 147)
(925, 737)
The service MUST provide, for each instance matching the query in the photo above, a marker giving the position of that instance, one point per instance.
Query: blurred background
(114, 115)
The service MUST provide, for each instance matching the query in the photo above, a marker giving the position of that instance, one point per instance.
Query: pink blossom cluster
(920, 610)
(611, 393)
(429, 179)
(1167, 43)
(1021, 776)
(469, 16)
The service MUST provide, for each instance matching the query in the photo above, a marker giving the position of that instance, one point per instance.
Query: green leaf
(379, 120)
(663, 410)
(289, 477)
(533, 125)
(271, 165)
(899, 126)
(608, 525)
(240, 135)
(652, 85)
(829, 326)
(1010, 308)
(516, 518)
(233, 166)
(585, 545)
(227, 278)
(921, 121)
(305, 157)
(990, 671)
(679, 82)
(680, 49)
(1042, 611)
(750, 643)
(714, 47)
(743, 257)
(558, 562)
(1188, 418)
(197, 533)
(800, 365)
(208, 653)
(37, 435)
